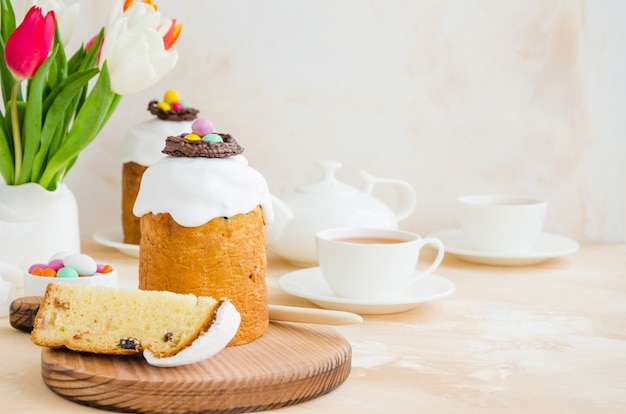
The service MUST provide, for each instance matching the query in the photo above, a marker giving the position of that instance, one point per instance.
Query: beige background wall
(454, 96)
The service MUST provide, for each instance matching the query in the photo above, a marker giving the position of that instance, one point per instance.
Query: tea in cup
(501, 224)
(372, 264)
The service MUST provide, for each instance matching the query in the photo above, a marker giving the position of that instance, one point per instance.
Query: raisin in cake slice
(170, 329)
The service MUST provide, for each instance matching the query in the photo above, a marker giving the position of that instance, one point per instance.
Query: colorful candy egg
(164, 106)
(171, 96)
(212, 138)
(55, 264)
(67, 273)
(48, 272)
(177, 106)
(202, 127)
(35, 267)
(193, 137)
(82, 263)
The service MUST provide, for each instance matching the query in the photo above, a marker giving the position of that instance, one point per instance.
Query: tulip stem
(15, 123)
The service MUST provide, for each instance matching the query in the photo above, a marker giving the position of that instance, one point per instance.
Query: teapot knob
(329, 168)
(328, 184)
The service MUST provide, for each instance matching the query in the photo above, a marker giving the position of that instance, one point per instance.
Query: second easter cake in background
(143, 145)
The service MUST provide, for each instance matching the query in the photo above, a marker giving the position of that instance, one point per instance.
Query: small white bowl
(36, 285)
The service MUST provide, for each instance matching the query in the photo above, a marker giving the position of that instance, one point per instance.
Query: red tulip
(29, 45)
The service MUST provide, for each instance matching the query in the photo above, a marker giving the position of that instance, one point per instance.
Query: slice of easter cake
(170, 329)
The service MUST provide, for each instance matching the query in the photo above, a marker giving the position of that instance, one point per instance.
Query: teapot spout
(407, 198)
(282, 216)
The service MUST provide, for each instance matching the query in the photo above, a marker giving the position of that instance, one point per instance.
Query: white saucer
(114, 238)
(310, 284)
(547, 247)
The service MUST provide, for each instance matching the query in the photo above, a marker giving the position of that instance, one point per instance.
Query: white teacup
(501, 224)
(371, 264)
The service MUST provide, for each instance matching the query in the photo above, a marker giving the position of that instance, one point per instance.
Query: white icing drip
(143, 143)
(196, 190)
(220, 333)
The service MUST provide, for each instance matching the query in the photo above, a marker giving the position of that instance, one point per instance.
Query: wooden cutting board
(291, 363)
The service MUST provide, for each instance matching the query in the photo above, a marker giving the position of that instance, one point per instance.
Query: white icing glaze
(143, 143)
(222, 330)
(196, 190)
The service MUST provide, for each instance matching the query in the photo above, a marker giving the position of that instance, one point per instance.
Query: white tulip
(133, 47)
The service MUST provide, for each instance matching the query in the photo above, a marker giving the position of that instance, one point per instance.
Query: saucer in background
(114, 238)
(310, 284)
(548, 246)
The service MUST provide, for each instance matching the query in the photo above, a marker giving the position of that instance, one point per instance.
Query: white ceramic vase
(36, 223)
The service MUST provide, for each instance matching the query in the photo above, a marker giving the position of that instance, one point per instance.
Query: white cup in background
(501, 224)
(372, 264)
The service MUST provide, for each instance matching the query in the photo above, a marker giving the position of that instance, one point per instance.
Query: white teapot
(330, 203)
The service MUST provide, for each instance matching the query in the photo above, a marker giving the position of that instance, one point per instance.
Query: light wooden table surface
(547, 338)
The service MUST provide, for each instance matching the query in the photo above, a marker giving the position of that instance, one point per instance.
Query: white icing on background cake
(196, 190)
(143, 143)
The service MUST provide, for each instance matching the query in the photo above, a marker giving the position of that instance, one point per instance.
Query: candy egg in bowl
(74, 268)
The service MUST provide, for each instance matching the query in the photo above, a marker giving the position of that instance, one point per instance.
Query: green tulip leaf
(58, 117)
(33, 119)
(88, 123)
(53, 94)
(7, 164)
(91, 58)
(7, 19)
(58, 70)
(6, 77)
(73, 65)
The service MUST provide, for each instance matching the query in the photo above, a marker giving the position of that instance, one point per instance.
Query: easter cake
(203, 213)
(169, 329)
(143, 146)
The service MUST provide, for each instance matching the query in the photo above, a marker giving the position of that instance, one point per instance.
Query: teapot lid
(328, 184)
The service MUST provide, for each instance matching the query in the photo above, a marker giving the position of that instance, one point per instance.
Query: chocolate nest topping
(186, 114)
(179, 146)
